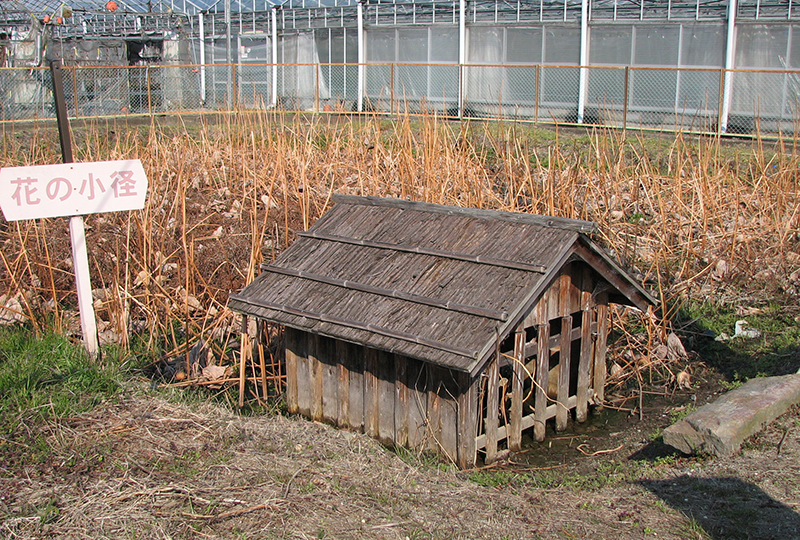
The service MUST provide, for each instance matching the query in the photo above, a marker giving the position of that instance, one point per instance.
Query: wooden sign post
(73, 189)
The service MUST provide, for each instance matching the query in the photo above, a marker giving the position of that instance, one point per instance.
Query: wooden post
(371, 412)
(515, 421)
(290, 343)
(417, 412)
(77, 231)
(467, 420)
(492, 407)
(600, 349)
(261, 357)
(400, 400)
(584, 365)
(244, 347)
(341, 348)
(542, 370)
(564, 371)
(316, 377)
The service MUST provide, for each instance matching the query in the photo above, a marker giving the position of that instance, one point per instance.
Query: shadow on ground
(727, 508)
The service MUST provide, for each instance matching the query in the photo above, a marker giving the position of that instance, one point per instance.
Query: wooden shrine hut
(442, 328)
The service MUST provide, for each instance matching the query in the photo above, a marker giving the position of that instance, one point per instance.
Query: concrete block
(719, 428)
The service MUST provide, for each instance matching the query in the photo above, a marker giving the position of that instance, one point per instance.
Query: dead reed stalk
(688, 215)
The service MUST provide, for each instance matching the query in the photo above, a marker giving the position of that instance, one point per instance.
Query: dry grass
(689, 216)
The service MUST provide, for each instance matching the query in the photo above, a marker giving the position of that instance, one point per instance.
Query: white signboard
(72, 189)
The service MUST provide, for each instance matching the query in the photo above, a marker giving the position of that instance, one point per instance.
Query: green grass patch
(775, 352)
(47, 376)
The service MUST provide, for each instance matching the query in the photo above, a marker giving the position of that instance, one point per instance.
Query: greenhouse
(700, 65)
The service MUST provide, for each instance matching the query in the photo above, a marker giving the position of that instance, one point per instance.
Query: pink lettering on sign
(54, 188)
(25, 185)
(90, 185)
(123, 184)
(72, 189)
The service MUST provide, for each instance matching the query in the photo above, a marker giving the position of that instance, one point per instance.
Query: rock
(11, 310)
(720, 427)
(741, 330)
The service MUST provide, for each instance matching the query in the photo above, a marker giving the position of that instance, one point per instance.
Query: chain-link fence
(700, 100)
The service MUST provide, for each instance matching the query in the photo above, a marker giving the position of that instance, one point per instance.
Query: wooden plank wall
(393, 398)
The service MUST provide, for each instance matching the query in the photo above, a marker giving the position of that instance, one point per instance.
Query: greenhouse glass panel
(656, 45)
(381, 45)
(794, 50)
(562, 45)
(559, 85)
(761, 46)
(703, 45)
(610, 45)
(523, 45)
(484, 83)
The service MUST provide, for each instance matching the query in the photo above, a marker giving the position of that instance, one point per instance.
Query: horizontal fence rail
(672, 99)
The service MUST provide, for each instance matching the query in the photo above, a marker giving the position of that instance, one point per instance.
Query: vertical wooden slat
(343, 397)
(515, 415)
(584, 365)
(400, 401)
(434, 428)
(600, 348)
(316, 376)
(467, 420)
(244, 349)
(579, 286)
(448, 416)
(303, 374)
(542, 369)
(357, 356)
(262, 330)
(326, 355)
(371, 412)
(587, 286)
(552, 297)
(417, 381)
(290, 339)
(492, 408)
(386, 397)
(565, 359)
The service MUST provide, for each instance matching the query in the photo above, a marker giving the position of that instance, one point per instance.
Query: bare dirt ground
(146, 465)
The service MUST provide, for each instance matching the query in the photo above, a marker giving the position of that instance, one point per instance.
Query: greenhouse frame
(730, 66)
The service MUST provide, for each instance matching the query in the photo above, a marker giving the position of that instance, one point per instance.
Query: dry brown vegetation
(691, 216)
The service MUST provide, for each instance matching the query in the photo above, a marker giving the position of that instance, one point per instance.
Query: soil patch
(146, 467)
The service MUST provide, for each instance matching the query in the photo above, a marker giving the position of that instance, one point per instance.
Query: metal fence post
(74, 71)
(316, 87)
(536, 97)
(391, 89)
(625, 103)
(149, 93)
(722, 116)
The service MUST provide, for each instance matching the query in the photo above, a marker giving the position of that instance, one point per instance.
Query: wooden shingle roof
(433, 282)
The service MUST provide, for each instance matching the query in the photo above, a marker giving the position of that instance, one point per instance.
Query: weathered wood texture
(565, 362)
(425, 281)
(396, 399)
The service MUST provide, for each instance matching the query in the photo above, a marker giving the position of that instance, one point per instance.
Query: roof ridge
(478, 213)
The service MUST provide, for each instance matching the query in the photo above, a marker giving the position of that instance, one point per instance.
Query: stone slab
(720, 427)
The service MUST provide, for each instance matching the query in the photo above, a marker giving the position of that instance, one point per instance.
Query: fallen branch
(585, 453)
